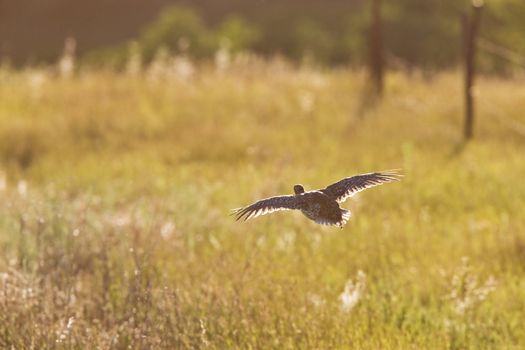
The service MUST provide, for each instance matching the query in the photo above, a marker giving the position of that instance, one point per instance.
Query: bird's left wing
(266, 206)
(349, 186)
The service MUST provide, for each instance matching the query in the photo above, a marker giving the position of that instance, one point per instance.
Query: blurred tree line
(424, 34)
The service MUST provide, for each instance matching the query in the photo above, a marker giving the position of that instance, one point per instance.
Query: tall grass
(116, 189)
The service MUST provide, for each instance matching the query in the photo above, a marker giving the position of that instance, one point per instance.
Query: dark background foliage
(426, 33)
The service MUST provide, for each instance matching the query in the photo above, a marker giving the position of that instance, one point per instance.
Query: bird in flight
(321, 206)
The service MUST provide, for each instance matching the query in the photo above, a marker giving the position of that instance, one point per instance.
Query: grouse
(321, 206)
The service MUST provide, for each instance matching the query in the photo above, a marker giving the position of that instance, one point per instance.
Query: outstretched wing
(266, 206)
(349, 186)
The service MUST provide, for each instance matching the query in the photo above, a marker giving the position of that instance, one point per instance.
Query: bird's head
(298, 189)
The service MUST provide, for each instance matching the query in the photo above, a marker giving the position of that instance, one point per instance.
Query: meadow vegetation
(116, 190)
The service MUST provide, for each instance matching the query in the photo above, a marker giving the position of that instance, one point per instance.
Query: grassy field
(116, 191)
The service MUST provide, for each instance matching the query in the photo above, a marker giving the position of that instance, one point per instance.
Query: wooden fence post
(376, 55)
(470, 33)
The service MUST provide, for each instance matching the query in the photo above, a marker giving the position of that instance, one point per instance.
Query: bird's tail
(345, 216)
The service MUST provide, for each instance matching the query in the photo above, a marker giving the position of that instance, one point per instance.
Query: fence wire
(502, 52)
(515, 59)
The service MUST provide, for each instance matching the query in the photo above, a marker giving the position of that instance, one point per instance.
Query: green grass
(114, 215)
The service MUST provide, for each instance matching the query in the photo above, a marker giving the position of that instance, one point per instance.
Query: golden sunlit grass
(116, 190)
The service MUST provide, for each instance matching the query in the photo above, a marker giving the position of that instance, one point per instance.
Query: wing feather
(349, 186)
(267, 206)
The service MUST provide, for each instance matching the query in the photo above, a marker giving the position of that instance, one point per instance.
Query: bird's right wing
(266, 206)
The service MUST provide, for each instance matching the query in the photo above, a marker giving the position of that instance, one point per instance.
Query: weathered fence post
(470, 33)
(376, 55)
